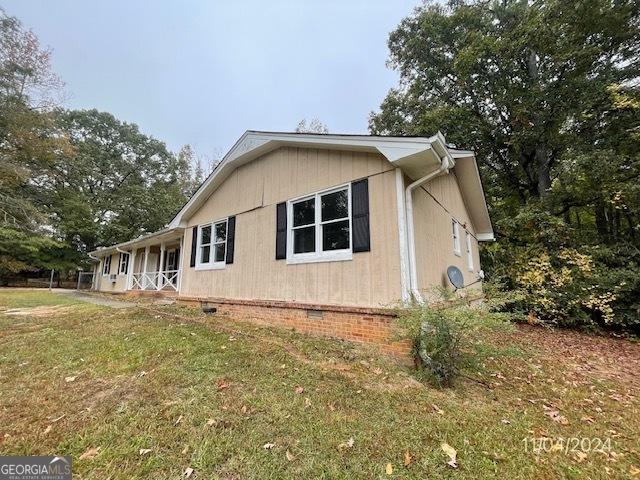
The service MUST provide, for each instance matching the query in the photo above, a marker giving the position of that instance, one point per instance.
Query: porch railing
(163, 280)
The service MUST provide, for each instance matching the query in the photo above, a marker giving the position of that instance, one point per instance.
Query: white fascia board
(485, 237)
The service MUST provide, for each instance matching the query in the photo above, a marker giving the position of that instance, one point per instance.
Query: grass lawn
(150, 392)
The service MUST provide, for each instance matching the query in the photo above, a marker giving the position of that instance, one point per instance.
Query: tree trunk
(543, 163)
(601, 219)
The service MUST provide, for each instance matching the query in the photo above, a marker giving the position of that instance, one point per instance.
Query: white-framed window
(212, 245)
(456, 237)
(124, 264)
(319, 226)
(106, 265)
(469, 253)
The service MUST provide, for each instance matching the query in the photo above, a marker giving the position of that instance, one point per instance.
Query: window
(124, 264)
(106, 266)
(456, 237)
(320, 227)
(212, 245)
(469, 253)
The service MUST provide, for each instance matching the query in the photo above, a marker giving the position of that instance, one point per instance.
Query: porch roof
(164, 235)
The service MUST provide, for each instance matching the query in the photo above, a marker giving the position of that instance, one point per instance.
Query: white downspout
(445, 165)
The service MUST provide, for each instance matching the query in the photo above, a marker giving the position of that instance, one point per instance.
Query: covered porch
(155, 263)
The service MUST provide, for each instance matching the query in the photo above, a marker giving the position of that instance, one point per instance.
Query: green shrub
(448, 338)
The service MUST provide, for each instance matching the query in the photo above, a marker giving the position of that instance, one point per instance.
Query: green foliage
(26, 251)
(555, 279)
(546, 94)
(115, 185)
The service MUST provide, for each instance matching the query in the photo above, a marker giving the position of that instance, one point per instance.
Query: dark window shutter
(194, 246)
(281, 231)
(119, 262)
(231, 238)
(360, 211)
(126, 263)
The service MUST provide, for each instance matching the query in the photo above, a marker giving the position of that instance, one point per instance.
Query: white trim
(455, 235)
(485, 237)
(212, 264)
(120, 262)
(104, 264)
(402, 237)
(319, 255)
(470, 262)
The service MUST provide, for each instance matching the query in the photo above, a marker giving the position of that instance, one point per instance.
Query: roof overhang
(466, 170)
(416, 156)
(165, 235)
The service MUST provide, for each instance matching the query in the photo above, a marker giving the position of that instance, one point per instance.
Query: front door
(151, 278)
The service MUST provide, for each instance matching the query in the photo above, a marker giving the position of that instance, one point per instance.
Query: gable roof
(416, 156)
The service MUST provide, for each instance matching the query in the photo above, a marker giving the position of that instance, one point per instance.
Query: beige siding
(434, 237)
(104, 283)
(252, 192)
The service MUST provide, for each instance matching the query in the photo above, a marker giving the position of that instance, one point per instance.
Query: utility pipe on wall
(446, 163)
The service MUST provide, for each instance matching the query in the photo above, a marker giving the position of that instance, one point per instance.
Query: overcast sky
(202, 72)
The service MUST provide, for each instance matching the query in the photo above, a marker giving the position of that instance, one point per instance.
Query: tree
(314, 126)
(29, 138)
(511, 79)
(22, 251)
(117, 184)
(546, 93)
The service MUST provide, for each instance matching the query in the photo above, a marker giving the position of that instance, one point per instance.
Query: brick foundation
(372, 326)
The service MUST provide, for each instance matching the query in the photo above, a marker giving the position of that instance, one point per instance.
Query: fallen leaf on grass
(634, 471)
(289, 456)
(222, 385)
(408, 459)
(332, 407)
(451, 452)
(178, 420)
(556, 417)
(210, 422)
(505, 421)
(144, 451)
(377, 371)
(89, 453)
(307, 402)
(268, 446)
(437, 409)
(580, 456)
(299, 390)
(348, 444)
(187, 472)
(185, 449)
(47, 430)
(70, 379)
(389, 469)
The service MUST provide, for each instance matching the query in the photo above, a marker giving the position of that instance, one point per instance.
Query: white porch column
(145, 281)
(161, 267)
(131, 266)
(179, 263)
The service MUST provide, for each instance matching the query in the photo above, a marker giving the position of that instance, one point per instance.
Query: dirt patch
(39, 312)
